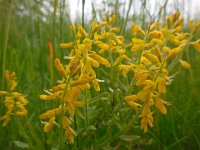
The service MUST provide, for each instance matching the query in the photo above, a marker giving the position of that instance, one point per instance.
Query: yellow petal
(95, 85)
(48, 97)
(144, 124)
(155, 34)
(131, 98)
(134, 105)
(161, 107)
(3, 92)
(100, 59)
(196, 45)
(185, 64)
(81, 30)
(162, 85)
(60, 67)
(78, 103)
(70, 134)
(66, 122)
(93, 62)
(66, 45)
(81, 81)
(47, 127)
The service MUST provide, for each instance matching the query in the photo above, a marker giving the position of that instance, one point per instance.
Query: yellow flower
(95, 85)
(136, 30)
(185, 64)
(3, 92)
(66, 45)
(60, 68)
(131, 98)
(155, 34)
(147, 118)
(160, 105)
(81, 81)
(50, 113)
(69, 132)
(48, 97)
(100, 59)
(88, 43)
(98, 27)
(101, 45)
(196, 45)
(14, 101)
(134, 105)
(151, 56)
(162, 85)
(81, 30)
(140, 78)
(93, 62)
(49, 125)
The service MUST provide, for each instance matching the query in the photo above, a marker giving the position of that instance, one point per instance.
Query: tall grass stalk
(83, 13)
(6, 38)
(127, 16)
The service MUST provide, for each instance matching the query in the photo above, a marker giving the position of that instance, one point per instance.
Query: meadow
(111, 82)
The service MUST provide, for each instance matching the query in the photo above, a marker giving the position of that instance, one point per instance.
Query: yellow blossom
(196, 45)
(60, 68)
(155, 34)
(185, 64)
(66, 45)
(100, 59)
(81, 30)
(136, 30)
(48, 97)
(160, 105)
(162, 85)
(95, 85)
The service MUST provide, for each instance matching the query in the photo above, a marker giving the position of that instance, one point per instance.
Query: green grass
(24, 49)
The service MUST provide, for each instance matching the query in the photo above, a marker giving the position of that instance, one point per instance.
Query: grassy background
(25, 30)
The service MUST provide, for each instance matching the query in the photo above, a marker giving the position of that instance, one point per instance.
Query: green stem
(86, 110)
(125, 21)
(5, 44)
(75, 127)
(62, 111)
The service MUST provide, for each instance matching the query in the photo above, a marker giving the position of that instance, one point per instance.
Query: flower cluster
(154, 52)
(149, 56)
(14, 101)
(79, 73)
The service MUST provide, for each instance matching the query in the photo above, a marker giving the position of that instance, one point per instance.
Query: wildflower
(196, 45)
(160, 105)
(98, 27)
(60, 67)
(155, 34)
(136, 30)
(100, 59)
(14, 102)
(82, 31)
(66, 45)
(162, 85)
(69, 132)
(49, 125)
(185, 64)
